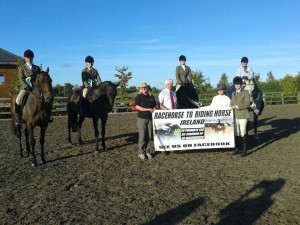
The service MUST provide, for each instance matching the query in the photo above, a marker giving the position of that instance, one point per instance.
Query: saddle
(24, 99)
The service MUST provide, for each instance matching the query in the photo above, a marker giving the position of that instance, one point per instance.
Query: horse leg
(69, 130)
(42, 141)
(27, 141)
(32, 144)
(103, 124)
(95, 123)
(255, 124)
(80, 121)
(19, 133)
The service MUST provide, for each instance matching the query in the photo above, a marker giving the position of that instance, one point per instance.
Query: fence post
(282, 99)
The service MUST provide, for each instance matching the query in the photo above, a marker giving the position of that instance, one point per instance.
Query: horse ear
(47, 71)
(38, 70)
(117, 83)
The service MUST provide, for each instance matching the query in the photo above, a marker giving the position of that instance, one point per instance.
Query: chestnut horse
(101, 101)
(36, 112)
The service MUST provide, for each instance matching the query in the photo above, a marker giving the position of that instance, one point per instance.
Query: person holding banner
(221, 100)
(145, 104)
(240, 103)
(167, 97)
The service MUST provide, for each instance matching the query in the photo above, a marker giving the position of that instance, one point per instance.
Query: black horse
(36, 112)
(101, 101)
(187, 97)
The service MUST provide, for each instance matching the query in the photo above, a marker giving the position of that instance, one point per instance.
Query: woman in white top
(221, 100)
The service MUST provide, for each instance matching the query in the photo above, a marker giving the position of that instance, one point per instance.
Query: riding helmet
(237, 80)
(221, 86)
(89, 59)
(244, 60)
(28, 54)
(182, 58)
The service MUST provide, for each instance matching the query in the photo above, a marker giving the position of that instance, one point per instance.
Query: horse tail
(14, 129)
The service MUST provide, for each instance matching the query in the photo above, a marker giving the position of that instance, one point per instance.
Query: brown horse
(101, 101)
(36, 112)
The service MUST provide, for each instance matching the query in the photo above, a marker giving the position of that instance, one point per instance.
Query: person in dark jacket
(183, 73)
(90, 78)
(145, 104)
(240, 103)
(27, 75)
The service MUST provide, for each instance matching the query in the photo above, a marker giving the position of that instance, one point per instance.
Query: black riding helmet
(244, 60)
(182, 58)
(29, 54)
(237, 80)
(89, 59)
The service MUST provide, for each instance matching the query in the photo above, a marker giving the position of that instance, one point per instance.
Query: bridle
(42, 91)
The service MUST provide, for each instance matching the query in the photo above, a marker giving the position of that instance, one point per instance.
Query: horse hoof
(33, 164)
(80, 142)
(43, 161)
(20, 156)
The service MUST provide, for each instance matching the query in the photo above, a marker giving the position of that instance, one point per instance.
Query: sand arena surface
(116, 187)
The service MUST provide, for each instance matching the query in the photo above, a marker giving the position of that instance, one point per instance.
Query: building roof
(7, 57)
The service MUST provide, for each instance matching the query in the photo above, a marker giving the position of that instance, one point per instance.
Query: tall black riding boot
(18, 109)
(237, 145)
(244, 140)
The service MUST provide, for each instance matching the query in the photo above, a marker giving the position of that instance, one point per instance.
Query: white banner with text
(192, 129)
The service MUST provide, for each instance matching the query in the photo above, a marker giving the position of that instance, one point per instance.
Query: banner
(191, 129)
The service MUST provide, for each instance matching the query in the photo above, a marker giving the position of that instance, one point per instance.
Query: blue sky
(148, 36)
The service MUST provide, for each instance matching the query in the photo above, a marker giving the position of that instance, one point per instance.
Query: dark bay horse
(187, 97)
(101, 101)
(36, 112)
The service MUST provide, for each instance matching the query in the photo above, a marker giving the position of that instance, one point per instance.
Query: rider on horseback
(244, 71)
(27, 76)
(183, 73)
(90, 78)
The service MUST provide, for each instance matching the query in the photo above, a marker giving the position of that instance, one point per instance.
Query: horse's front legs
(80, 121)
(19, 134)
(42, 141)
(27, 141)
(95, 123)
(32, 144)
(103, 124)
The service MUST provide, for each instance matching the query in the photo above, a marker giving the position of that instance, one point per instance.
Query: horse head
(250, 86)
(107, 91)
(43, 86)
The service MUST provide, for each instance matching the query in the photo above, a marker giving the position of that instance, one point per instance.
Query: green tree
(297, 77)
(58, 90)
(200, 81)
(123, 77)
(16, 85)
(270, 76)
(68, 87)
(224, 80)
(271, 86)
(288, 83)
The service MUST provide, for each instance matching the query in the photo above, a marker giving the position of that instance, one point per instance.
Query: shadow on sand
(175, 216)
(247, 210)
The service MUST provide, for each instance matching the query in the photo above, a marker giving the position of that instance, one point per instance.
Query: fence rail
(60, 103)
